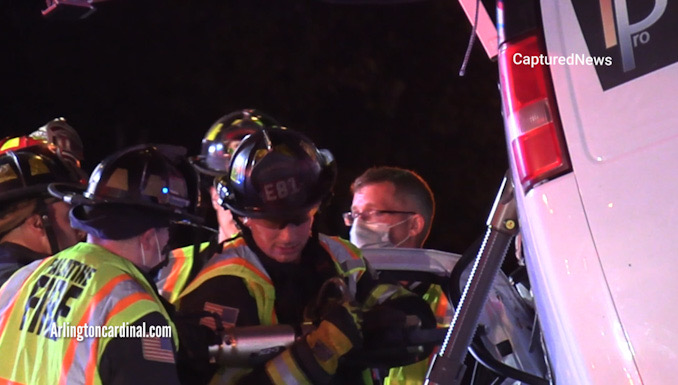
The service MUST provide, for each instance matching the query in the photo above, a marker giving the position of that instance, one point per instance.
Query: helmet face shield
(276, 174)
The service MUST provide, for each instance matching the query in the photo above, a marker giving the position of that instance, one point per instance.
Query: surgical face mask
(162, 256)
(368, 235)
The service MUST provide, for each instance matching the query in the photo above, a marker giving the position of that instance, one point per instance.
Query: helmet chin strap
(143, 253)
(157, 243)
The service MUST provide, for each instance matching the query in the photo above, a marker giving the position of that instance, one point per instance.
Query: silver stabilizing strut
(448, 366)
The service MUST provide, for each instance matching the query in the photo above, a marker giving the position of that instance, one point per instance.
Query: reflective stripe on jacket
(173, 278)
(237, 259)
(85, 284)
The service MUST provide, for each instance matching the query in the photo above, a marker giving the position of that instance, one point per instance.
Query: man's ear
(35, 224)
(416, 225)
(147, 238)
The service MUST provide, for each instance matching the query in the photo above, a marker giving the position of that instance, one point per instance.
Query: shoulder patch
(157, 349)
(227, 315)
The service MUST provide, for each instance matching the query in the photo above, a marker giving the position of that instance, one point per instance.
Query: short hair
(408, 185)
(13, 215)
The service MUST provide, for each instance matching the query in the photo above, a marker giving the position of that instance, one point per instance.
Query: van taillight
(533, 127)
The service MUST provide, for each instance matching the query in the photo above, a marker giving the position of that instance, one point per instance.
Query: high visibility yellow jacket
(83, 286)
(237, 259)
(173, 278)
(415, 374)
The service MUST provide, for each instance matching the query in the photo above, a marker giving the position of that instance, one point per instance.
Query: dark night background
(375, 84)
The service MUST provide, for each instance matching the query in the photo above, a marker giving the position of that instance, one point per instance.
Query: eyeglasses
(370, 215)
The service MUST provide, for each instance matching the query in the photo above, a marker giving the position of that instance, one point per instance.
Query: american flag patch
(157, 349)
(228, 315)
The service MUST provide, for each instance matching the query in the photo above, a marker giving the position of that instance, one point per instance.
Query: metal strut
(448, 366)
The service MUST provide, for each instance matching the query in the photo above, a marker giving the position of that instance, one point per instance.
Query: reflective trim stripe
(178, 261)
(380, 294)
(283, 370)
(68, 361)
(239, 261)
(8, 382)
(347, 258)
(91, 365)
(205, 274)
(439, 304)
(120, 306)
(342, 252)
(6, 310)
(173, 278)
(108, 290)
(352, 264)
(443, 311)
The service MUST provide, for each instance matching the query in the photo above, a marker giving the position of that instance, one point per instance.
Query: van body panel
(599, 241)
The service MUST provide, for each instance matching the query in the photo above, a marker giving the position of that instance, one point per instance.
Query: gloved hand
(337, 334)
(315, 357)
(386, 329)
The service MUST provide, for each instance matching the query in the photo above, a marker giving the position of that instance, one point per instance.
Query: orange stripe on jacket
(176, 270)
(120, 306)
(8, 382)
(236, 261)
(96, 298)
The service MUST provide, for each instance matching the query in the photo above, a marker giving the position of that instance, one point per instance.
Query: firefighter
(51, 309)
(218, 145)
(271, 274)
(394, 207)
(33, 225)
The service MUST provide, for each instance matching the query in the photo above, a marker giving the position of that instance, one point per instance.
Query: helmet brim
(36, 191)
(198, 163)
(282, 214)
(74, 195)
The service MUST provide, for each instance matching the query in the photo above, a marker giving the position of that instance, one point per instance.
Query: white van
(590, 98)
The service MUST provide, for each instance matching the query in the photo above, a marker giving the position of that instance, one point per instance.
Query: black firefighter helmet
(135, 189)
(26, 172)
(276, 174)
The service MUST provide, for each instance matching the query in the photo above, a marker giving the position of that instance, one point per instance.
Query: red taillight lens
(533, 127)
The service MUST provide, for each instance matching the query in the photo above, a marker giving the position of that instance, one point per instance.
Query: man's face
(66, 236)
(282, 241)
(379, 199)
